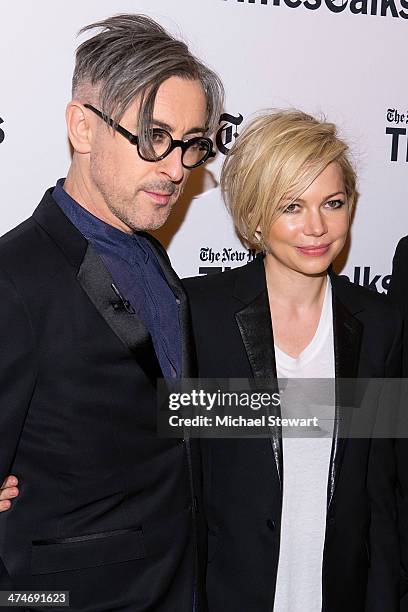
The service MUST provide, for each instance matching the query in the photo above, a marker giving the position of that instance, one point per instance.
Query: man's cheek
(182, 186)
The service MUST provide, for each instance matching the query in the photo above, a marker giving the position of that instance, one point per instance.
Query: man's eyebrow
(169, 128)
(196, 130)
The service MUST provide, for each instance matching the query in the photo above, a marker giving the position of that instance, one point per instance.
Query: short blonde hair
(279, 155)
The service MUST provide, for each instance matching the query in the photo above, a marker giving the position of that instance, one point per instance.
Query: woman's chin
(316, 267)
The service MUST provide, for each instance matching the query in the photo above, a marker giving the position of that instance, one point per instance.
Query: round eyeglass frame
(134, 140)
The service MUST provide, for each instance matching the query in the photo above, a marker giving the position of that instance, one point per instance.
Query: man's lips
(159, 198)
(314, 250)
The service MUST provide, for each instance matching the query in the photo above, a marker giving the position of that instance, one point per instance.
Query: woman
(296, 524)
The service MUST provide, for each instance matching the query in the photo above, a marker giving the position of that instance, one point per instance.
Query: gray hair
(131, 57)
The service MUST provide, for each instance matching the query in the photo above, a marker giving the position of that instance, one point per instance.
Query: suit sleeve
(384, 546)
(401, 452)
(17, 371)
(398, 290)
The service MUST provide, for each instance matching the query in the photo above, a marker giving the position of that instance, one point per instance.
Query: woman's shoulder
(224, 283)
(343, 287)
(359, 299)
(208, 282)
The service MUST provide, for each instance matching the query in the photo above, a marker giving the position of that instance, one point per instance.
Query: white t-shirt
(305, 470)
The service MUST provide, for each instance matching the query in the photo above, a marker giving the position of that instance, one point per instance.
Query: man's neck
(79, 187)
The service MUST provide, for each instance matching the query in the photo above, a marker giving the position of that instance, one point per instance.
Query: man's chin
(153, 222)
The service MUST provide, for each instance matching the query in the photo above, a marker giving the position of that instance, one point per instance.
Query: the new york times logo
(399, 138)
(223, 259)
(227, 132)
(2, 135)
(384, 8)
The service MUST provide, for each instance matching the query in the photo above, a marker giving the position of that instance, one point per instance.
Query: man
(91, 315)
(399, 293)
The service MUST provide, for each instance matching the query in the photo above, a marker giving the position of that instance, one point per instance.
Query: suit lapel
(347, 332)
(97, 283)
(255, 327)
(254, 322)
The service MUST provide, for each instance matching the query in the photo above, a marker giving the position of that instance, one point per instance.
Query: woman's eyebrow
(301, 200)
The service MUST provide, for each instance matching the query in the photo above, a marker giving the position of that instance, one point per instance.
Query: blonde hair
(279, 155)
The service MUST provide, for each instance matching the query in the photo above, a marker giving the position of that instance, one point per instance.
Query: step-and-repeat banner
(342, 59)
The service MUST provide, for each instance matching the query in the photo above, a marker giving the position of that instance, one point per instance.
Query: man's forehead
(180, 105)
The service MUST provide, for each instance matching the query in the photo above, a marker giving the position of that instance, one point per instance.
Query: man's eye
(198, 145)
(158, 137)
(333, 204)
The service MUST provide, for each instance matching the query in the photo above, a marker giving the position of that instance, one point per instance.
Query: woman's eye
(291, 208)
(333, 204)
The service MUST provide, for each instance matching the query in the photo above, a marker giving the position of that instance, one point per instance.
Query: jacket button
(331, 520)
(271, 524)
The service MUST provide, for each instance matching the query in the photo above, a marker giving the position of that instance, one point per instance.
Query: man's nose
(172, 167)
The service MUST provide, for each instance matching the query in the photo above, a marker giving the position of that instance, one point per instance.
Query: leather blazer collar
(255, 326)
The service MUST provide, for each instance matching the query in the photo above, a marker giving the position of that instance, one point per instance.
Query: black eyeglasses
(195, 151)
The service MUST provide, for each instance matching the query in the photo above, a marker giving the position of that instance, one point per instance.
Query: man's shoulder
(29, 255)
(400, 259)
(23, 259)
(19, 241)
(25, 238)
(402, 246)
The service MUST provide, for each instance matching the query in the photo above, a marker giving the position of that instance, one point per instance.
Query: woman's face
(311, 231)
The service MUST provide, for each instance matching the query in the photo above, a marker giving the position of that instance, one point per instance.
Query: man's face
(136, 194)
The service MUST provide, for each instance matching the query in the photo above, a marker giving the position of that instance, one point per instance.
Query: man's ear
(79, 127)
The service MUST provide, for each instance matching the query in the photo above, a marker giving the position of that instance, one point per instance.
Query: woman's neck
(292, 289)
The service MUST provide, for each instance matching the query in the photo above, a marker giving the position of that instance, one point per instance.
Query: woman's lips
(159, 198)
(314, 251)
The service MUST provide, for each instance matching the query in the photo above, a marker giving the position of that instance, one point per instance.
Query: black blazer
(105, 506)
(242, 479)
(398, 291)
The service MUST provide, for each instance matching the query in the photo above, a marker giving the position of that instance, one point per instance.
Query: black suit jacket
(398, 292)
(242, 478)
(105, 506)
